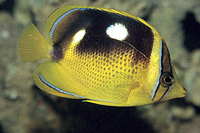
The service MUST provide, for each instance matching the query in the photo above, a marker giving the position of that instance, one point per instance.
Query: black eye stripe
(166, 70)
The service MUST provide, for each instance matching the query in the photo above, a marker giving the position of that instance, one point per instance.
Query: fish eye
(167, 79)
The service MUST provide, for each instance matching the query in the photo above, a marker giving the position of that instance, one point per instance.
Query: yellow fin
(103, 103)
(64, 95)
(33, 46)
(53, 78)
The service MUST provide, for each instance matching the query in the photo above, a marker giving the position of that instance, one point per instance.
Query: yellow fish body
(105, 56)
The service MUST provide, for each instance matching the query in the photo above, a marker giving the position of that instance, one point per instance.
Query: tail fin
(33, 46)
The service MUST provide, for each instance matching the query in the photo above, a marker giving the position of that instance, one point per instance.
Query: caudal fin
(33, 46)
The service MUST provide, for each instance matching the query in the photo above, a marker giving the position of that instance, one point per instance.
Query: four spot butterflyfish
(103, 56)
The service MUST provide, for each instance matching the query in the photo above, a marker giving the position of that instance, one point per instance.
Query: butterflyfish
(102, 56)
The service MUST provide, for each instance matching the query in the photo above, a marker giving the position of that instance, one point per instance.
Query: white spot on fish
(117, 31)
(79, 36)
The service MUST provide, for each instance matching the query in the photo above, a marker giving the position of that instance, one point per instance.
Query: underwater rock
(192, 79)
(190, 127)
(183, 113)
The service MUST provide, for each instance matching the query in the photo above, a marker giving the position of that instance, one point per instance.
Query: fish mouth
(184, 92)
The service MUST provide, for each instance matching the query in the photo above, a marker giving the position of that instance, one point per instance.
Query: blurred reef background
(26, 109)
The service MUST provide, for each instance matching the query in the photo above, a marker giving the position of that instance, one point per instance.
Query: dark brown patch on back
(96, 22)
(140, 37)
